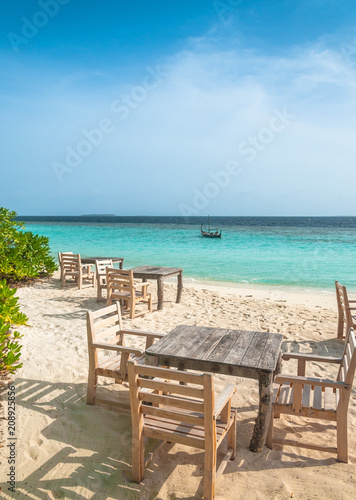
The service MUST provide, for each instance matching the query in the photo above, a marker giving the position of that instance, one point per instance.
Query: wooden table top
(230, 352)
(91, 260)
(156, 271)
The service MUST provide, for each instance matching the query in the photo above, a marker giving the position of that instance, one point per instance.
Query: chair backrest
(348, 363)
(119, 280)
(105, 322)
(343, 304)
(70, 261)
(169, 397)
(101, 265)
(60, 256)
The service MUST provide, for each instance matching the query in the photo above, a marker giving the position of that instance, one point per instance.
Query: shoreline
(279, 293)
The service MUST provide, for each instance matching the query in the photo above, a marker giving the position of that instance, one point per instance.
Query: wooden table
(160, 273)
(229, 352)
(91, 260)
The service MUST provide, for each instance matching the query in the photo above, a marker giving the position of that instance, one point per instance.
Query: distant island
(98, 215)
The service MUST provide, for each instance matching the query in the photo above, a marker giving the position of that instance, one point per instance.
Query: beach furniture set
(239, 353)
(171, 403)
(119, 284)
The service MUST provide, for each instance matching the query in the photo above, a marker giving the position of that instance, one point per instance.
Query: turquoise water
(292, 256)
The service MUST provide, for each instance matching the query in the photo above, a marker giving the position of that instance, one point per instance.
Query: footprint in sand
(33, 450)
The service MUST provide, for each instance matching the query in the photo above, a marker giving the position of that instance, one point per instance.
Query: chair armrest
(118, 348)
(352, 300)
(282, 379)
(143, 283)
(223, 398)
(142, 333)
(310, 357)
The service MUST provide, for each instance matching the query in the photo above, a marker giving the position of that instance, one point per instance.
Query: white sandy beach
(66, 449)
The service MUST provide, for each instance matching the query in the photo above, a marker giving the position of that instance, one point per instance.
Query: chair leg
(341, 437)
(132, 308)
(340, 327)
(150, 303)
(231, 437)
(269, 437)
(209, 469)
(91, 387)
(138, 455)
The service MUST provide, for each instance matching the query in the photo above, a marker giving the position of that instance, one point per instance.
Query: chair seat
(111, 366)
(315, 399)
(71, 272)
(161, 429)
(126, 295)
(121, 286)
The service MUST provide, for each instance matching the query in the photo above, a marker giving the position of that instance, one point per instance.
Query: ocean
(300, 252)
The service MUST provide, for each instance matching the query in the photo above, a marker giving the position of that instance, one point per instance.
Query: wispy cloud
(213, 98)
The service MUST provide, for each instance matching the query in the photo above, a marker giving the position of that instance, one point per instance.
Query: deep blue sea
(290, 251)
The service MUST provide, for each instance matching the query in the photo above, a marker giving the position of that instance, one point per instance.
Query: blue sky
(171, 107)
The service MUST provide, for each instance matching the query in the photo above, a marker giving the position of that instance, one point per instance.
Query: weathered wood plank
(241, 346)
(317, 401)
(306, 396)
(329, 399)
(210, 341)
(255, 350)
(268, 360)
(224, 347)
(171, 342)
(187, 342)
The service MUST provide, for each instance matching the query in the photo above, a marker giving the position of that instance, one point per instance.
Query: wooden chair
(121, 286)
(184, 414)
(100, 268)
(346, 319)
(317, 398)
(106, 333)
(60, 262)
(71, 267)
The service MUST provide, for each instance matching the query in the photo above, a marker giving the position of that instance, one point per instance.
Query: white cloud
(190, 125)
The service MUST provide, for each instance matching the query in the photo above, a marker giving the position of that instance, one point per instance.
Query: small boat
(211, 232)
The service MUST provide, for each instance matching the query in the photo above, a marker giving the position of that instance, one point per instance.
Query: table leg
(160, 293)
(278, 369)
(144, 288)
(264, 413)
(179, 286)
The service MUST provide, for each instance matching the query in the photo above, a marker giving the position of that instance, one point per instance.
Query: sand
(66, 449)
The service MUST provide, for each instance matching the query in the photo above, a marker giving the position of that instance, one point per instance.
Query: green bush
(10, 315)
(23, 255)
